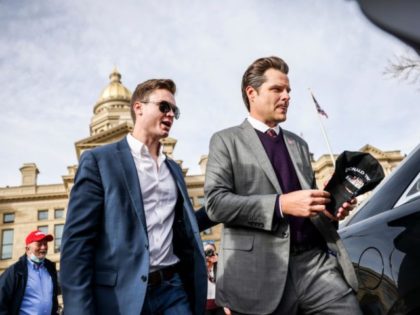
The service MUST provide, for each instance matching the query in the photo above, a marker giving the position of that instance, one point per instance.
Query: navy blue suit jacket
(104, 255)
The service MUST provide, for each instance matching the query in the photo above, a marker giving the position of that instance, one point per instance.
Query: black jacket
(13, 283)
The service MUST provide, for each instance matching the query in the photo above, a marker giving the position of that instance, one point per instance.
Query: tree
(405, 67)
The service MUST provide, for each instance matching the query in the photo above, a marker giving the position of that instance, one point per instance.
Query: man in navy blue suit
(131, 242)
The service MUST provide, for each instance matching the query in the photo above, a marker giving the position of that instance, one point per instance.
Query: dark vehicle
(383, 241)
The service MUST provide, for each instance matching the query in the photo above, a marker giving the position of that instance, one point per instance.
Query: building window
(43, 229)
(200, 201)
(58, 233)
(6, 244)
(58, 213)
(207, 231)
(8, 217)
(42, 215)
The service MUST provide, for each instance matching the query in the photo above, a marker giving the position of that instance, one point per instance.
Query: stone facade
(30, 206)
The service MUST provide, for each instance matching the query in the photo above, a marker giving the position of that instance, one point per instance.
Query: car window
(413, 191)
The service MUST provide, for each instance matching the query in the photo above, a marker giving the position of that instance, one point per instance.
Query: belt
(297, 249)
(158, 276)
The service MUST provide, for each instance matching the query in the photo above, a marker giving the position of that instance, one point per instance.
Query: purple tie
(272, 133)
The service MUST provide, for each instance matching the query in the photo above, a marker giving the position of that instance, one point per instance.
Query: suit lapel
(188, 211)
(178, 179)
(128, 167)
(256, 148)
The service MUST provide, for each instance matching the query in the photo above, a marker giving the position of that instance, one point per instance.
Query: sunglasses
(165, 107)
(210, 253)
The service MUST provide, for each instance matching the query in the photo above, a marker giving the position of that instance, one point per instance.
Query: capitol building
(31, 206)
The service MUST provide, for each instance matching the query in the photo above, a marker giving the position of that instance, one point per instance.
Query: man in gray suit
(280, 251)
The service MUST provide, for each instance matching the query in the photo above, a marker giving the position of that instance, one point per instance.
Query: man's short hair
(254, 75)
(143, 90)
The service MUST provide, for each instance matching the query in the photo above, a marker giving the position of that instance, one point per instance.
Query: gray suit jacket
(241, 190)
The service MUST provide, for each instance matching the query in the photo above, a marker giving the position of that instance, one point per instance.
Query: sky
(56, 56)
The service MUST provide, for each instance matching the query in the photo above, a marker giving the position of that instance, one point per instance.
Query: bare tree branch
(405, 68)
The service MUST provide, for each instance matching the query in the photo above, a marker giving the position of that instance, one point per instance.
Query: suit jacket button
(144, 278)
(146, 246)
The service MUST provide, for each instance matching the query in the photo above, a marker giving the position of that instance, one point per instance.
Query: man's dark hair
(254, 75)
(143, 90)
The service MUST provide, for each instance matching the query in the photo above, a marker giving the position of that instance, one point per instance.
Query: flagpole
(323, 132)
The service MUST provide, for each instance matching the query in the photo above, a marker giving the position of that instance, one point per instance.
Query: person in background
(211, 260)
(29, 286)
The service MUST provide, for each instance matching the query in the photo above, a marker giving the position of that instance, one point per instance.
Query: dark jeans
(167, 298)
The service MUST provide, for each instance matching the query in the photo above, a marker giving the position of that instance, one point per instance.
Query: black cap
(355, 173)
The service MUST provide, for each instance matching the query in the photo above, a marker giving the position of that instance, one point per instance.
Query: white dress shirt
(211, 286)
(159, 193)
(260, 126)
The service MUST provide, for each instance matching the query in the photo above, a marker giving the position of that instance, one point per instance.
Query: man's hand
(306, 203)
(345, 209)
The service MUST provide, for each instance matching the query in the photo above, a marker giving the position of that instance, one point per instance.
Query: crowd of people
(131, 241)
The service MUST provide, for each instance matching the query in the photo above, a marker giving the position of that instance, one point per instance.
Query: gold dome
(115, 91)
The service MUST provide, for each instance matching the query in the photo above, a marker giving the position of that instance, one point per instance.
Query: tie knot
(37, 266)
(272, 133)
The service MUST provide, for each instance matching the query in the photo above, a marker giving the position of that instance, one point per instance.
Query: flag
(318, 108)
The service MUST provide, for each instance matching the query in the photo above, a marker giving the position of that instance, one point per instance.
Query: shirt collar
(33, 265)
(260, 126)
(139, 148)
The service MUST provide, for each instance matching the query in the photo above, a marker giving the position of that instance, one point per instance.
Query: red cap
(36, 236)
